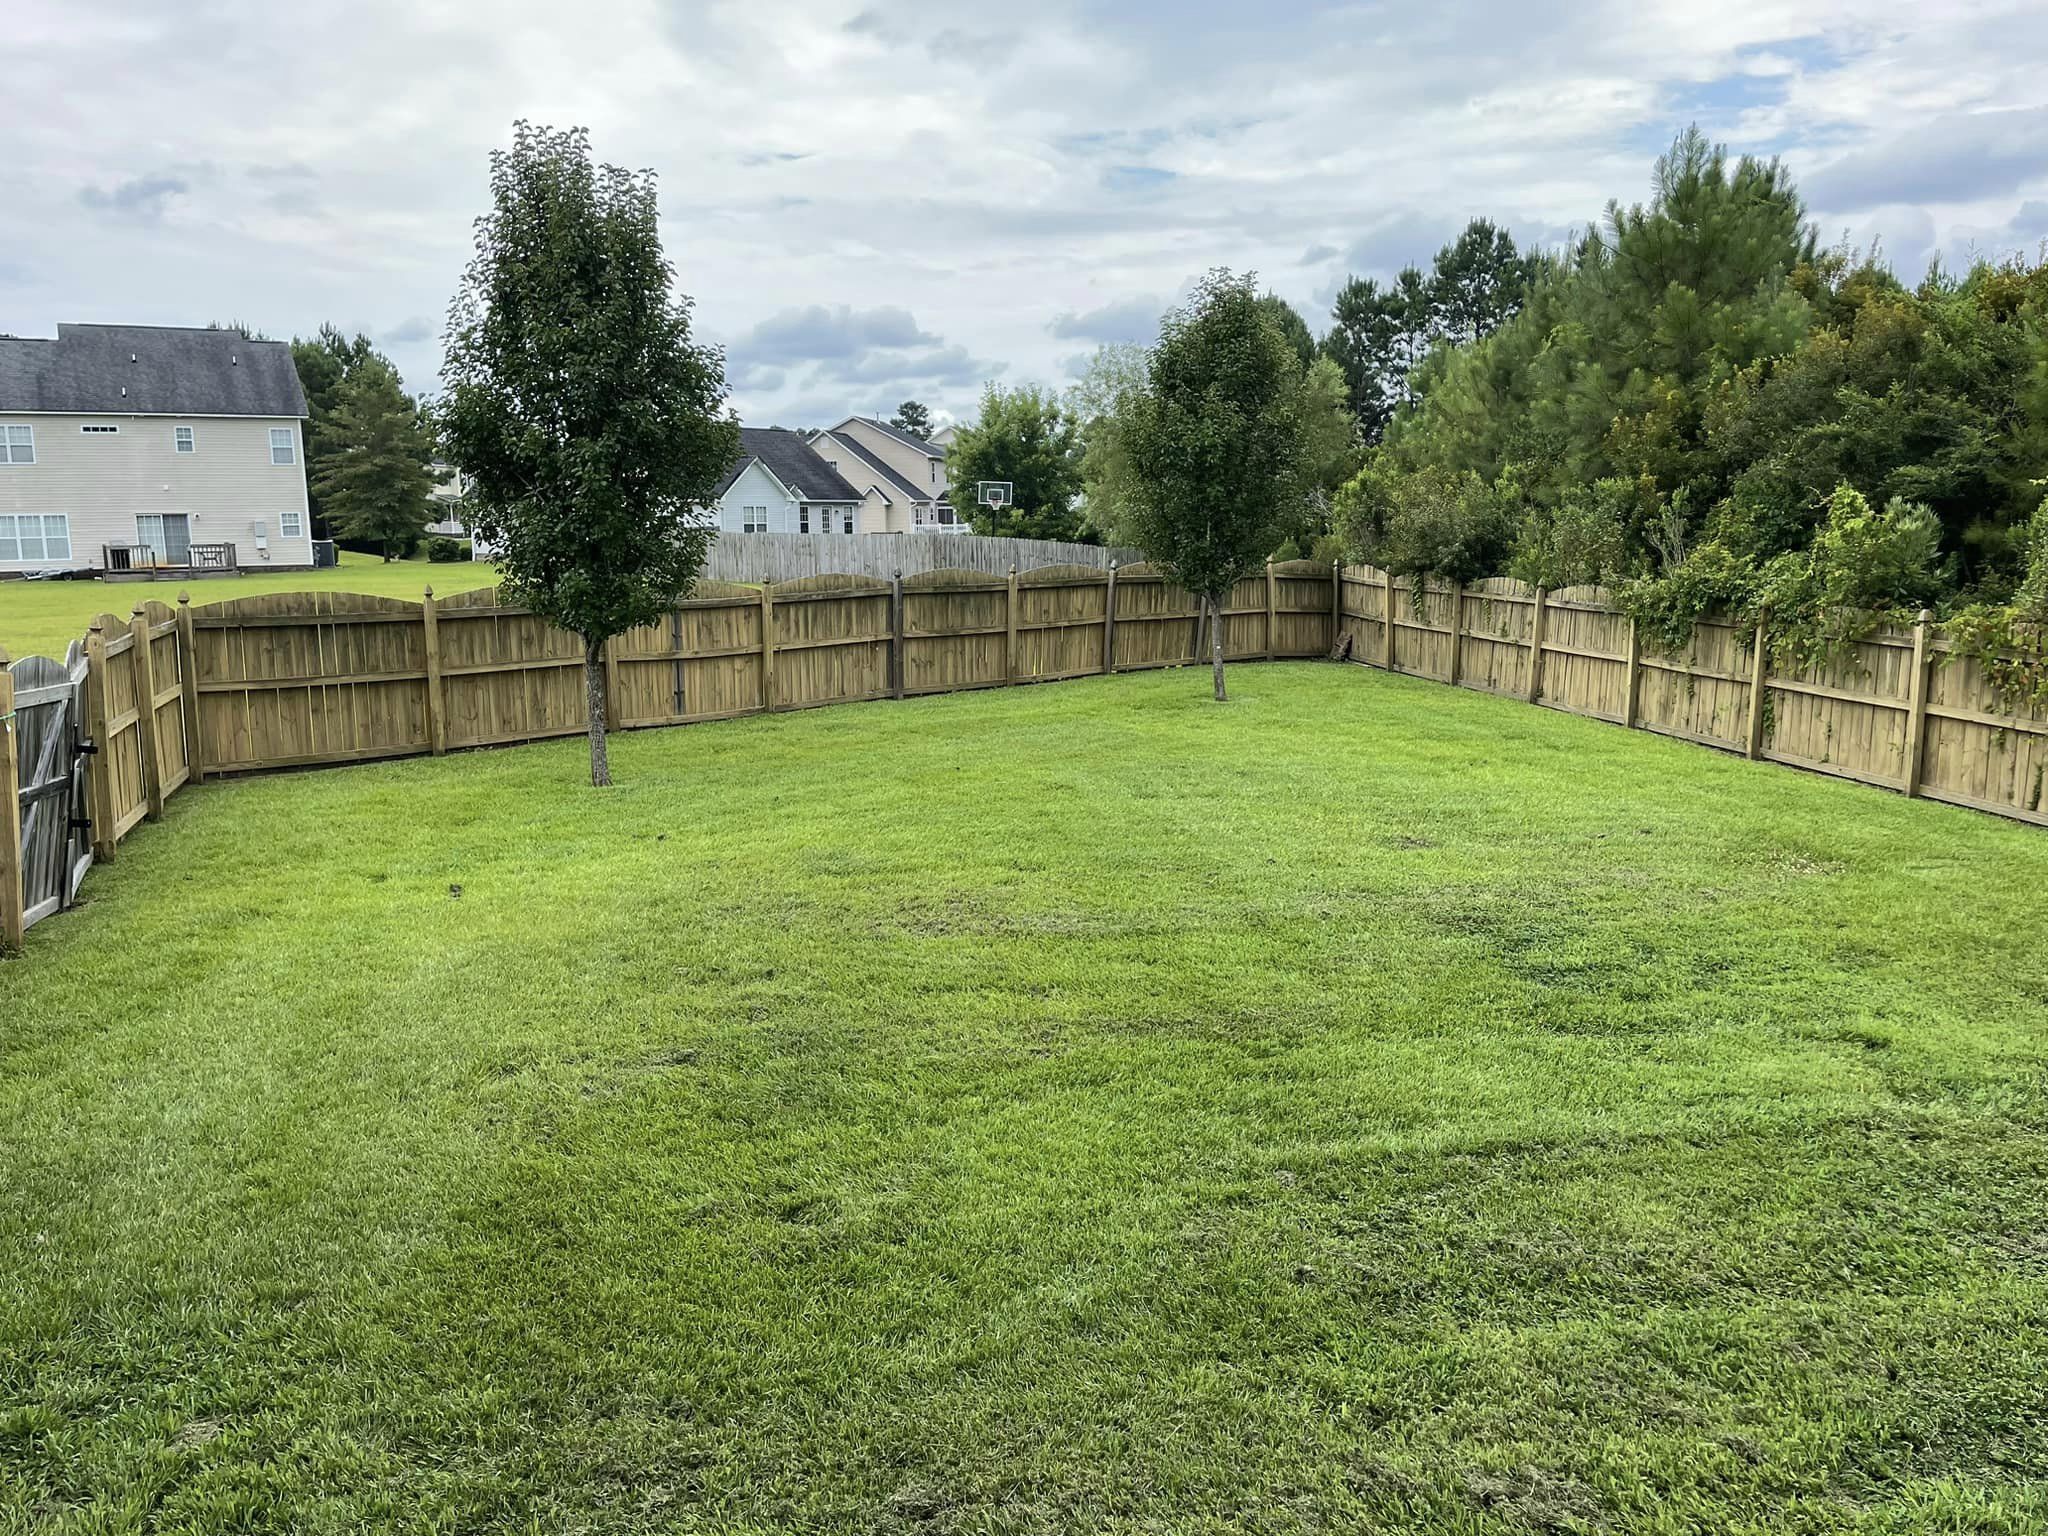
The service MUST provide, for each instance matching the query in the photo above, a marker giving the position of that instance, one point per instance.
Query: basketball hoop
(993, 493)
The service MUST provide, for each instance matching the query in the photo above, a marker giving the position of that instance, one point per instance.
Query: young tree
(913, 418)
(1217, 444)
(1026, 437)
(372, 450)
(590, 426)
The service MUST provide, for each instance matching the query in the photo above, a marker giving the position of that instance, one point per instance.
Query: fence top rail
(1065, 576)
(955, 579)
(306, 607)
(1319, 569)
(831, 584)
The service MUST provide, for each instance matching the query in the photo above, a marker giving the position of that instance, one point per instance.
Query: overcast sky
(875, 201)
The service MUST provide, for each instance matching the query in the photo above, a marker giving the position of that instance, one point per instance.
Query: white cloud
(923, 197)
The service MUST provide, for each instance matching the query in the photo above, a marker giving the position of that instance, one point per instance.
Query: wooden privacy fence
(1897, 709)
(292, 679)
(752, 557)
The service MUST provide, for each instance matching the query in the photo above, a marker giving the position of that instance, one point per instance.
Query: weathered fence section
(1897, 709)
(779, 557)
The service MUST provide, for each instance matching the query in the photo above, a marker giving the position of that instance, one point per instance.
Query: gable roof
(149, 370)
(786, 456)
(899, 434)
(896, 481)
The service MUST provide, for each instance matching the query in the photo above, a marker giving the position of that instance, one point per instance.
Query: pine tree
(373, 451)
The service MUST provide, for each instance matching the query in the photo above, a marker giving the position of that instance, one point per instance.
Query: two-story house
(904, 476)
(136, 447)
(777, 484)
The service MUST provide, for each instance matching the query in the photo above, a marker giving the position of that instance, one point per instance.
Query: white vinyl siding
(182, 439)
(32, 537)
(102, 483)
(282, 450)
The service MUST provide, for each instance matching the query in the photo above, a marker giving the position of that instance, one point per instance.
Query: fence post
(896, 634)
(188, 676)
(1109, 623)
(1387, 620)
(1539, 621)
(1336, 606)
(767, 645)
(1916, 716)
(1010, 631)
(1754, 746)
(1271, 607)
(437, 713)
(13, 898)
(145, 718)
(1457, 629)
(1634, 681)
(100, 772)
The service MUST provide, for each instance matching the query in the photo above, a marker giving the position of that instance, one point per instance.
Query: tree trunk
(593, 693)
(1216, 645)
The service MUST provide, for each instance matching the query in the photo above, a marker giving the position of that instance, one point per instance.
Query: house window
(30, 536)
(182, 437)
(289, 525)
(849, 520)
(803, 519)
(99, 431)
(281, 448)
(17, 444)
(753, 519)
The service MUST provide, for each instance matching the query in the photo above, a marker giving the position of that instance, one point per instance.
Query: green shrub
(1430, 523)
(446, 551)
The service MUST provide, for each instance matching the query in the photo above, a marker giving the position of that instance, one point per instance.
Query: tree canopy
(590, 426)
(368, 460)
(1216, 444)
(1023, 435)
(1697, 404)
(911, 417)
(324, 362)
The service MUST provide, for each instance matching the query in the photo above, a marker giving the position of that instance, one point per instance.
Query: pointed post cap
(184, 596)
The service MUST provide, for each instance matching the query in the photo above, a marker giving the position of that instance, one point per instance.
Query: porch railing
(147, 557)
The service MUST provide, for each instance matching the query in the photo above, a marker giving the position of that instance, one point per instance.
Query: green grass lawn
(1367, 1106)
(40, 618)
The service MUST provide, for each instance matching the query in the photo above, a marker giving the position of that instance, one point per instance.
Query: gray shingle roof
(877, 467)
(165, 371)
(792, 461)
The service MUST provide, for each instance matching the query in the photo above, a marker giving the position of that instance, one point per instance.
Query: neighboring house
(943, 438)
(917, 467)
(139, 447)
(444, 502)
(779, 485)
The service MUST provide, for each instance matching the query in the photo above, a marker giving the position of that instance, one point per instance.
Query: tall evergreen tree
(1288, 319)
(371, 452)
(324, 363)
(913, 418)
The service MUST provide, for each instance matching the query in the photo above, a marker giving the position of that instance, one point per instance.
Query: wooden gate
(50, 752)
